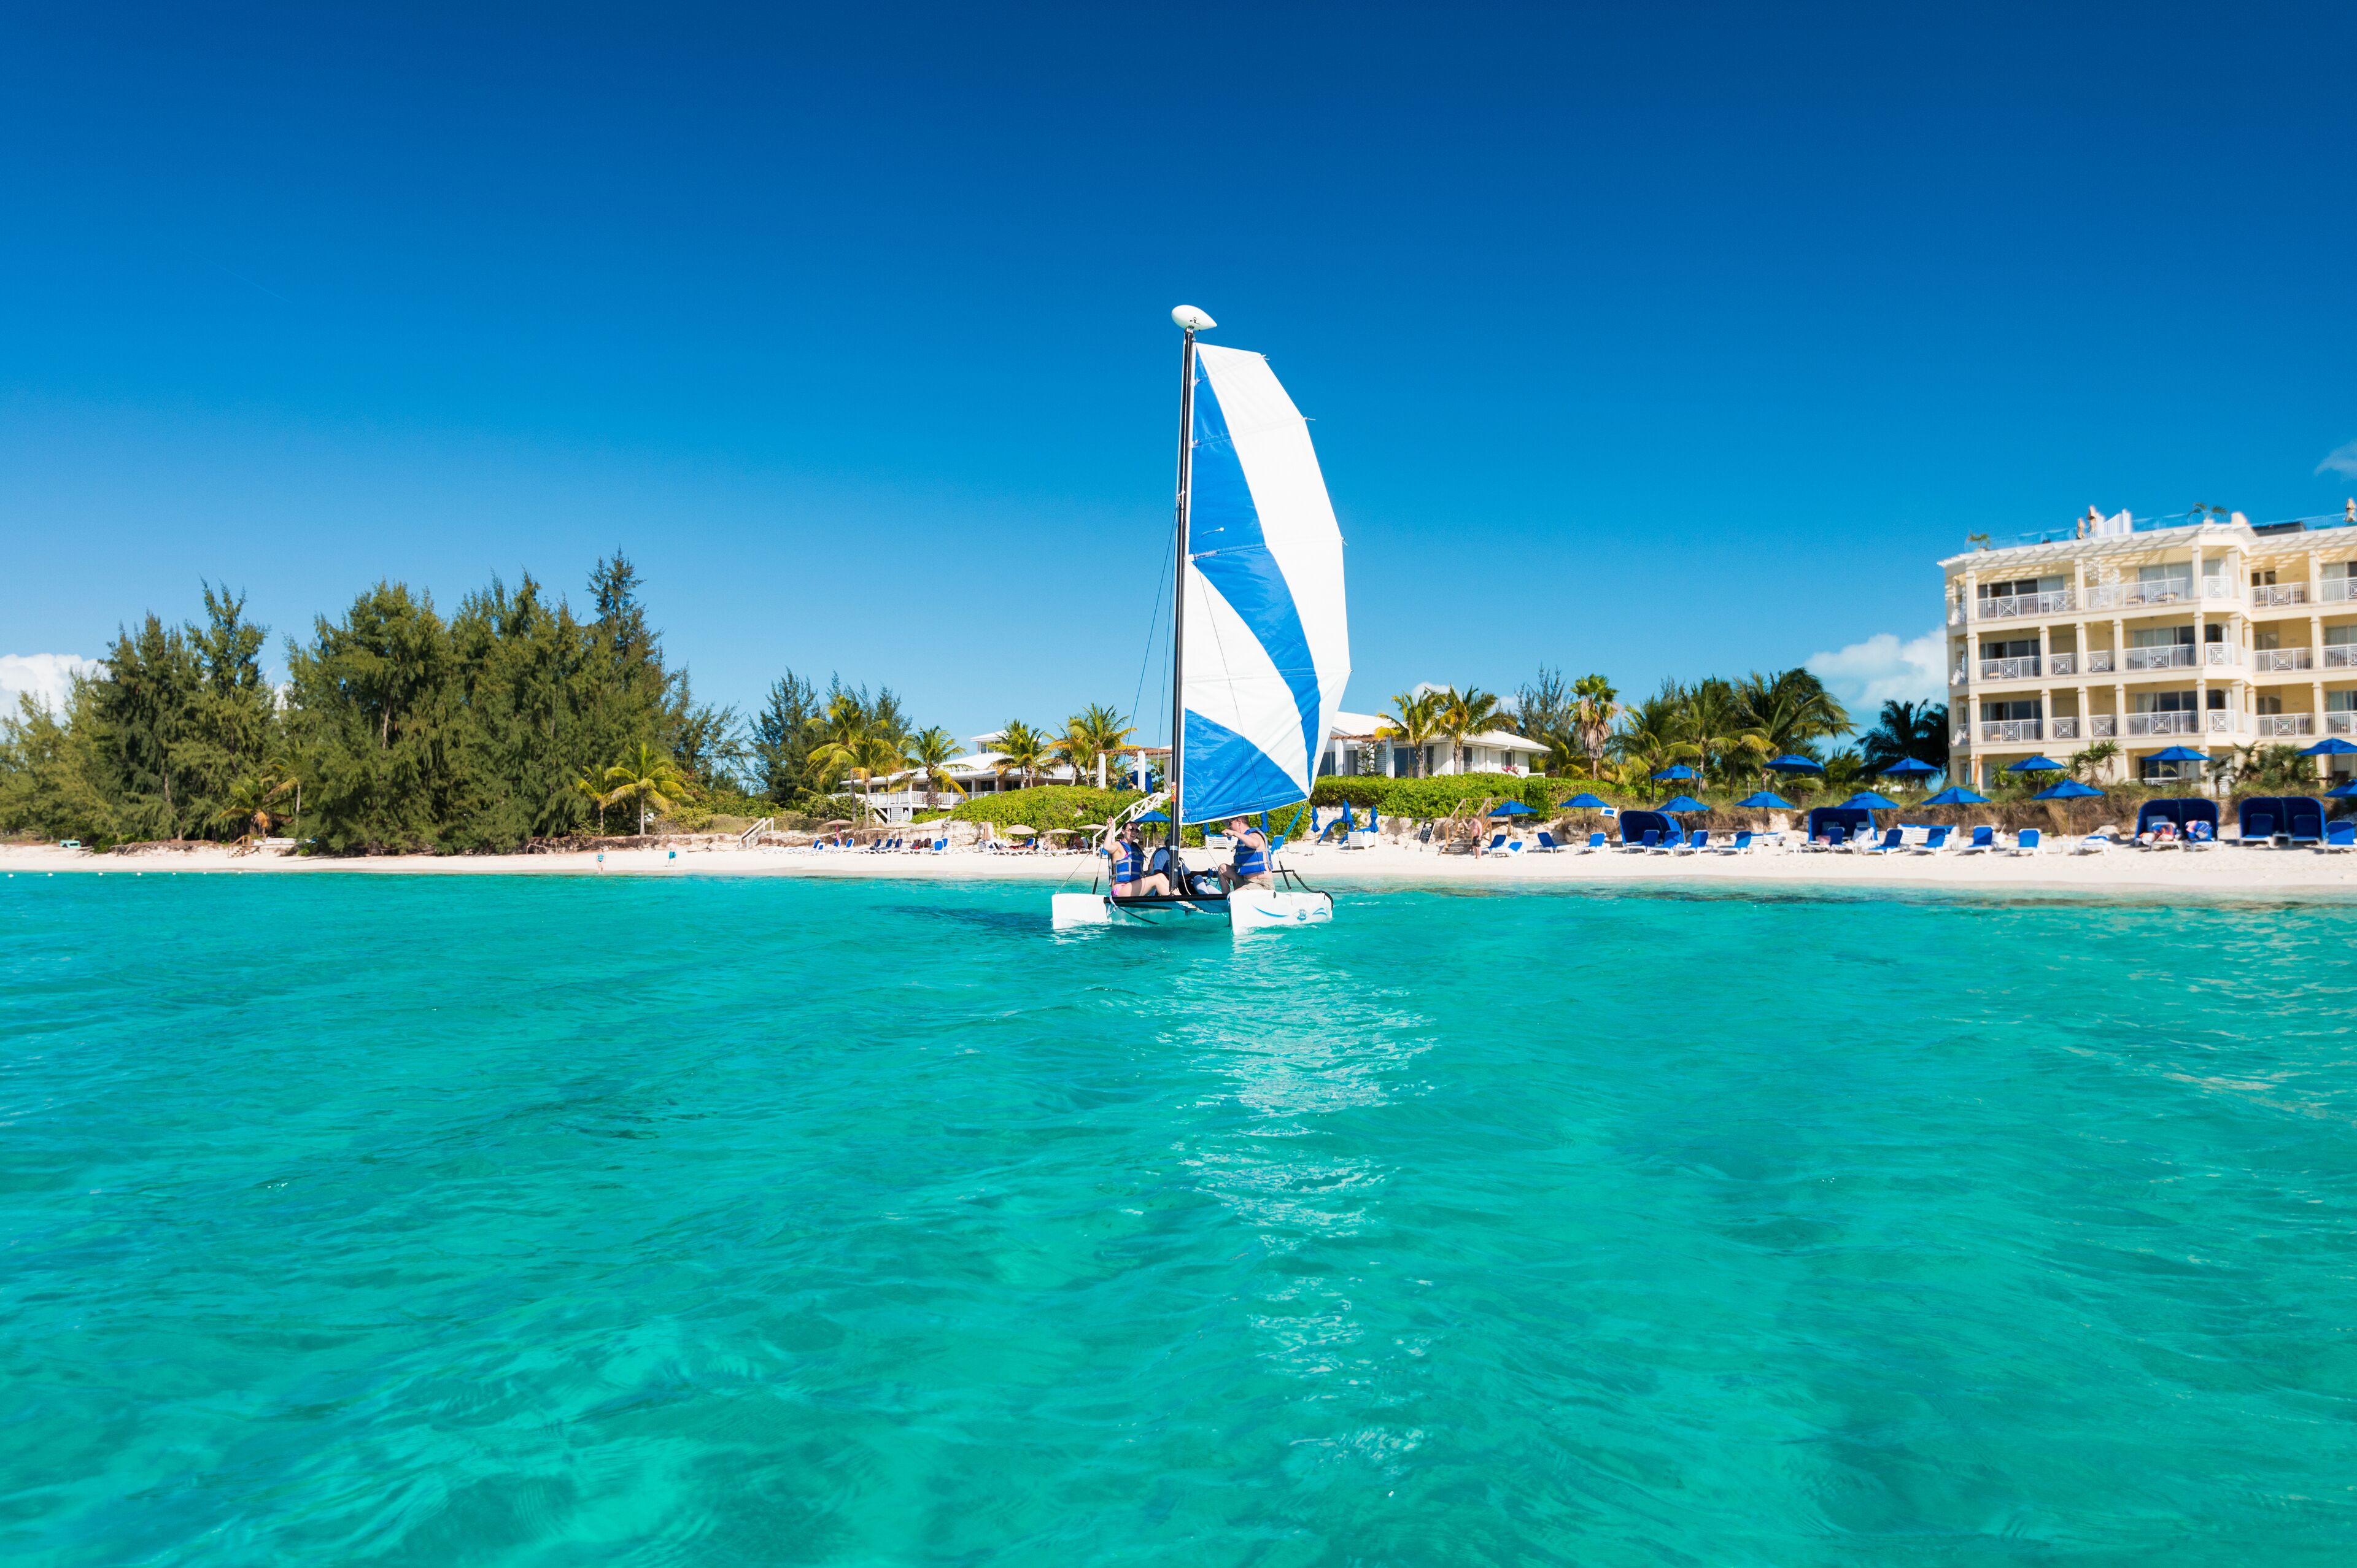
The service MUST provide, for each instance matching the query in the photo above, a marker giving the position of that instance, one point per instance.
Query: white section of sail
(1272, 446)
(1232, 681)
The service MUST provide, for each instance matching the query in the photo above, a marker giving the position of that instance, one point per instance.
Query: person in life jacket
(1130, 877)
(1249, 867)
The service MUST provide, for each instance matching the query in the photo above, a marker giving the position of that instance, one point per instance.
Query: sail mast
(1190, 321)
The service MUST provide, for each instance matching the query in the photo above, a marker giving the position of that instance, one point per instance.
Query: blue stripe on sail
(1225, 542)
(1228, 776)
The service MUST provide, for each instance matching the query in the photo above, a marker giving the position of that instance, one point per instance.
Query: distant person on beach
(1130, 877)
(1250, 866)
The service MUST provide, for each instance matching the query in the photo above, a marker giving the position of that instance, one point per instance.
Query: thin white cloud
(1882, 668)
(47, 676)
(2341, 459)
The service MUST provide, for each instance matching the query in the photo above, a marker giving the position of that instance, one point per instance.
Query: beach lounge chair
(1652, 840)
(2030, 840)
(1596, 841)
(2198, 835)
(1983, 841)
(1934, 843)
(2303, 824)
(1546, 843)
(1742, 845)
(2339, 835)
(2259, 827)
(1893, 840)
(2093, 844)
(1497, 844)
(1695, 843)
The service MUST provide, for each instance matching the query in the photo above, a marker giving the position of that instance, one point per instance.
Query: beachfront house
(1357, 748)
(2200, 630)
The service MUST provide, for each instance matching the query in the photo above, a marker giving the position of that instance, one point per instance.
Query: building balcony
(2102, 727)
(2063, 729)
(2340, 723)
(2061, 664)
(2222, 721)
(2016, 606)
(2022, 667)
(2267, 596)
(2099, 662)
(2003, 732)
(2162, 724)
(2341, 656)
(2284, 726)
(2170, 656)
(2337, 590)
(2269, 659)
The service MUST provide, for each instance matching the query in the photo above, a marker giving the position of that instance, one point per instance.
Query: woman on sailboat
(1130, 877)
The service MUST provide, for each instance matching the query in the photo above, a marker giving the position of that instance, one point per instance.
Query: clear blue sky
(1652, 341)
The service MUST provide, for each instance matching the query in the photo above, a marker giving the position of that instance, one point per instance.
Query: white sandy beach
(2228, 870)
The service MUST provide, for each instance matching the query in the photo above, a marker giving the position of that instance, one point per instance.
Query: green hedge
(1442, 796)
(1047, 806)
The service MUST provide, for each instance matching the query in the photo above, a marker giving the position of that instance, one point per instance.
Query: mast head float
(1193, 320)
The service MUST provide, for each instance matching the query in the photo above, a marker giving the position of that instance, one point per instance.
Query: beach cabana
(1855, 822)
(2180, 811)
(2263, 818)
(1635, 825)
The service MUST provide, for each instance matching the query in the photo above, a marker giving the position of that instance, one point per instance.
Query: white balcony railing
(2220, 655)
(2341, 656)
(2158, 591)
(2102, 726)
(2061, 664)
(2062, 728)
(2340, 722)
(2013, 607)
(2099, 662)
(2265, 595)
(2282, 658)
(2337, 590)
(2162, 724)
(1956, 676)
(2280, 726)
(2222, 721)
(2214, 586)
(1961, 739)
(2017, 667)
(2005, 730)
(2168, 656)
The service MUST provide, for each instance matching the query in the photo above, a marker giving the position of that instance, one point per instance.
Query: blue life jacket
(1128, 862)
(1250, 861)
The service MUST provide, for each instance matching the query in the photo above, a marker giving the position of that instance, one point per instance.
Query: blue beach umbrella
(1374, 818)
(1767, 801)
(2177, 753)
(1512, 809)
(1791, 763)
(1866, 800)
(2343, 792)
(1583, 801)
(2331, 746)
(1350, 818)
(1680, 804)
(1154, 817)
(1680, 771)
(1910, 767)
(2068, 789)
(2041, 764)
(1954, 795)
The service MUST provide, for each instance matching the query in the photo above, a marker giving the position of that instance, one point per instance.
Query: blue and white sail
(1268, 642)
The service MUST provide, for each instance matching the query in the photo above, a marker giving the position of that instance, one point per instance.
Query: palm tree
(929, 750)
(1651, 736)
(248, 806)
(1465, 713)
(1904, 729)
(1593, 709)
(1792, 710)
(1415, 718)
(1715, 724)
(650, 778)
(1089, 736)
(2086, 765)
(586, 785)
(1021, 750)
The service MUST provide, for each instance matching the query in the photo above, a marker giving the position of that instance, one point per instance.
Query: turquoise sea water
(548, 1221)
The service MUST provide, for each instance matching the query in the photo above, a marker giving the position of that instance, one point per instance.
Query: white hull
(1246, 910)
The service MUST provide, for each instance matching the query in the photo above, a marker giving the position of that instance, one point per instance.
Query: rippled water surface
(453, 1220)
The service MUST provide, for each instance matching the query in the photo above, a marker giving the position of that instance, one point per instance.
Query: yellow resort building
(2198, 630)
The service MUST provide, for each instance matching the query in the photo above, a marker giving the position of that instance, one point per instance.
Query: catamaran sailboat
(1260, 643)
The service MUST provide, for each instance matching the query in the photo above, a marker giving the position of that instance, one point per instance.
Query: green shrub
(1442, 796)
(1045, 806)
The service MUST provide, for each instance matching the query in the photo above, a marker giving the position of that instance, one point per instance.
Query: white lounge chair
(2093, 844)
